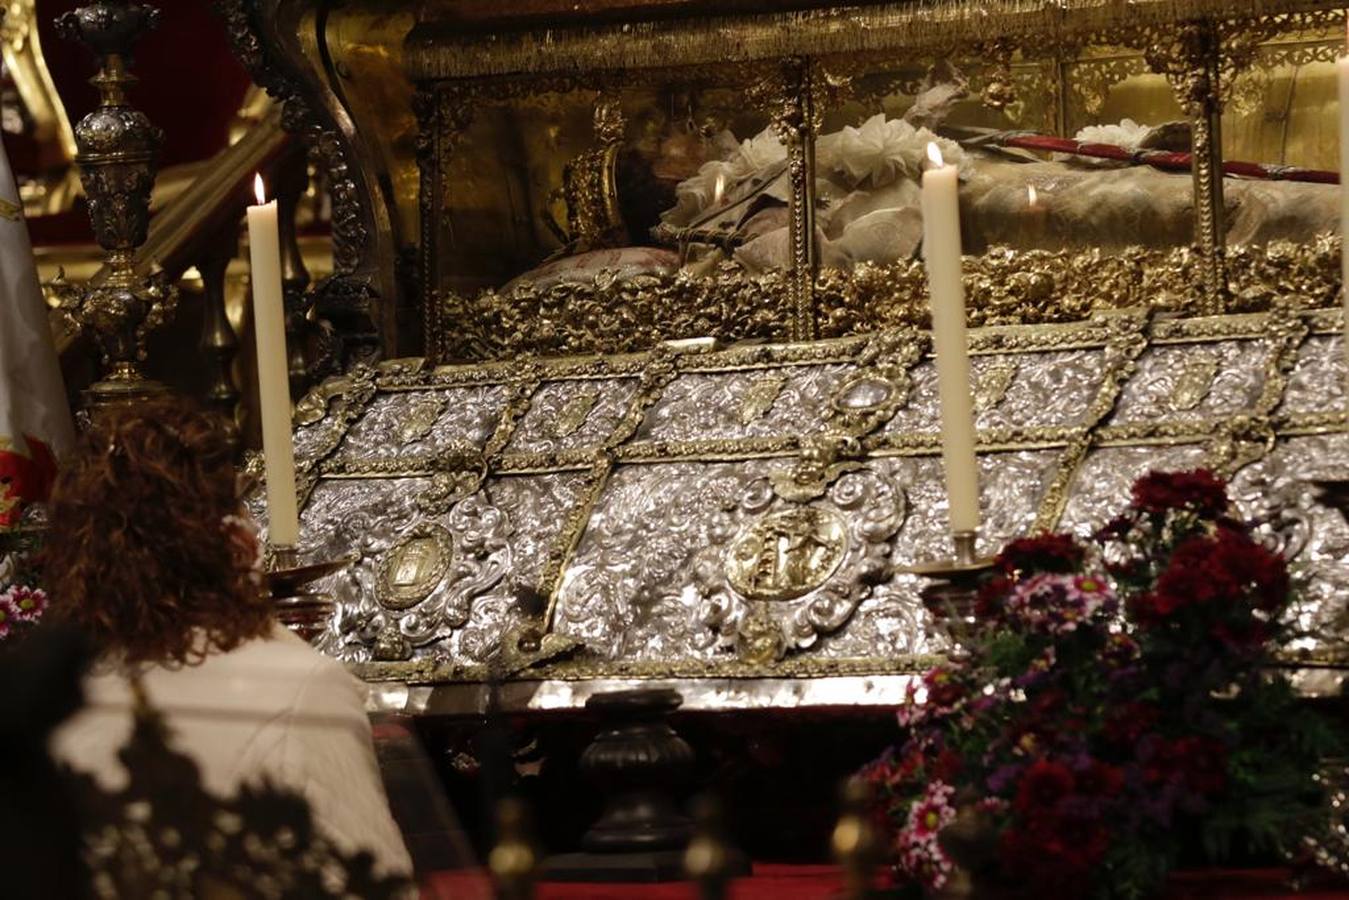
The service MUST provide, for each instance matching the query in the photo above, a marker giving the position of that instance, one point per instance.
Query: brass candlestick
(965, 562)
(118, 158)
(304, 612)
(951, 597)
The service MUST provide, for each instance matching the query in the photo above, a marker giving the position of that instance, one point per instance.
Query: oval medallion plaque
(865, 393)
(786, 554)
(413, 567)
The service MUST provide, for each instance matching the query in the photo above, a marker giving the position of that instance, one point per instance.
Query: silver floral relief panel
(1194, 382)
(443, 586)
(666, 551)
(754, 403)
(698, 560)
(1280, 495)
(409, 423)
(1101, 489)
(688, 560)
(567, 415)
(1318, 379)
(891, 620)
(1011, 390)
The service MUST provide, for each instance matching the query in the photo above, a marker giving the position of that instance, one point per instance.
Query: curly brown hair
(138, 553)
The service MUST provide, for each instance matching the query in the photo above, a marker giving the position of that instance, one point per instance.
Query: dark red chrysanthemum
(989, 600)
(1128, 722)
(1056, 553)
(1200, 492)
(1042, 786)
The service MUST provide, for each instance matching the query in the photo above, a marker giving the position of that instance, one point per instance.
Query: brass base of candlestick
(965, 562)
(951, 598)
(303, 612)
(122, 391)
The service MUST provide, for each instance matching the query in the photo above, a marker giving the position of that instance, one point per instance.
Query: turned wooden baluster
(290, 181)
(513, 861)
(219, 343)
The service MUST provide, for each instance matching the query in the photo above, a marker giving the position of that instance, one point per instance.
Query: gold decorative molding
(1004, 287)
(435, 51)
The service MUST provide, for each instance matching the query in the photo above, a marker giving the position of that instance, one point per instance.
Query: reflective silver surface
(664, 510)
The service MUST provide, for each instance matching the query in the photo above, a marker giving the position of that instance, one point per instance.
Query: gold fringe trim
(438, 51)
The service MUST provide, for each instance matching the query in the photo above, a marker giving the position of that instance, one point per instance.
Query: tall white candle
(941, 249)
(269, 325)
(1342, 74)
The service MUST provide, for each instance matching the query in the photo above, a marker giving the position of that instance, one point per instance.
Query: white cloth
(273, 708)
(35, 422)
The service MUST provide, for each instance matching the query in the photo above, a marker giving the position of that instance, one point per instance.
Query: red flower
(988, 602)
(1200, 492)
(1101, 780)
(1057, 553)
(1228, 569)
(1054, 857)
(943, 690)
(1042, 786)
(1199, 764)
(946, 766)
(1253, 566)
(1130, 721)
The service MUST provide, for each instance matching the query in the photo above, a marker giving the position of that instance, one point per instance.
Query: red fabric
(769, 882)
(24, 479)
(788, 882)
(1160, 159)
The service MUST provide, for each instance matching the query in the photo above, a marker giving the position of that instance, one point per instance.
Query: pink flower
(920, 855)
(933, 811)
(28, 603)
(1055, 604)
(9, 615)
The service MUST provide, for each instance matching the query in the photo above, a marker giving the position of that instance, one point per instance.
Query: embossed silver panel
(742, 512)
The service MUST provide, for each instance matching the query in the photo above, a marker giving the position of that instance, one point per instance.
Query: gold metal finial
(707, 859)
(854, 842)
(513, 861)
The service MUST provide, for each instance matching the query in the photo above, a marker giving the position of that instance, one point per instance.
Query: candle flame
(1032, 195)
(719, 189)
(259, 189)
(934, 154)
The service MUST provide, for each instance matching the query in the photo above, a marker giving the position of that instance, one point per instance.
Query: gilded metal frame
(799, 63)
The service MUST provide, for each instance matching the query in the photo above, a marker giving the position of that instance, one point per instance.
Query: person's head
(145, 552)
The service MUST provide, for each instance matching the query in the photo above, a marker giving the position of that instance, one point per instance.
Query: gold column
(1191, 60)
(796, 119)
(443, 112)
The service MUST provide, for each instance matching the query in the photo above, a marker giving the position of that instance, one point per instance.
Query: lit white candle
(1342, 74)
(269, 325)
(941, 249)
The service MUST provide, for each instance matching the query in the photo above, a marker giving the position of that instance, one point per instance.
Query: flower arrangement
(22, 601)
(1110, 703)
